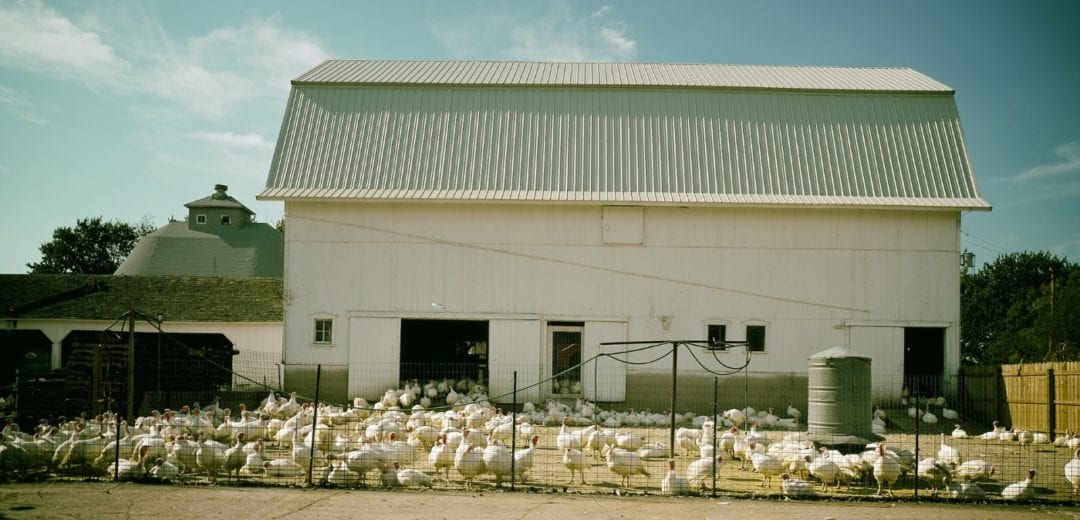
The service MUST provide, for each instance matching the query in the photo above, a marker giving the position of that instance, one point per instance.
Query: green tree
(93, 246)
(1005, 309)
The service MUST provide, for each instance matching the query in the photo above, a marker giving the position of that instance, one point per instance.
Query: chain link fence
(600, 426)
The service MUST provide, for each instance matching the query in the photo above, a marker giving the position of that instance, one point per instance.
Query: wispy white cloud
(208, 75)
(230, 65)
(560, 32)
(1068, 161)
(35, 36)
(231, 140)
(23, 107)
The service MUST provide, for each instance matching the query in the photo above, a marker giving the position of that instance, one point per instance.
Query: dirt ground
(133, 500)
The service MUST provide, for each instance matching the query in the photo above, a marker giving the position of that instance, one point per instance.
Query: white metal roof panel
(661, 146)
(494, 73)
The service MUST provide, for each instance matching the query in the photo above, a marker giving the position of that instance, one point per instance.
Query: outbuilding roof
(106, 297)
(622, 134)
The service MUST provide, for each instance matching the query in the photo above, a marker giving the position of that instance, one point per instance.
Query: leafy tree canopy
(1021, 307)
(93, 246)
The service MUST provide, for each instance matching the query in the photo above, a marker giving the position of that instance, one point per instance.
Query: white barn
(511, 216)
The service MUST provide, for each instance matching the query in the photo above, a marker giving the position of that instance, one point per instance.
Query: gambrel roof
(622, 133)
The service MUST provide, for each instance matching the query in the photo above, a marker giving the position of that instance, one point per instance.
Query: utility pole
(1052, 352)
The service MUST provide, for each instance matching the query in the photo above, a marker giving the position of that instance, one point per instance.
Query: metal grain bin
(839, 408)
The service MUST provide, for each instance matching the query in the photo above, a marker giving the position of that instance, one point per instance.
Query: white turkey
(523, 459)
(409, 477)
(654, 450)
(282, 468)
(673, 484)
(975, 469)
(576, 462)
(963, 490)
(625, 464)
(928, 417)
(994, 433)
(824, 469)
(497, 461)
(947, 454)
(365, 459)
(441, 457)
(164, 470)
(700, 472)
(933, 471)
(768, 466)
(795, 487)
(340, 474)
(793, 412)
(1072, 471)
(469, 461)
(253, 463)
(886, 469)
(235, 457)
(1023, 490)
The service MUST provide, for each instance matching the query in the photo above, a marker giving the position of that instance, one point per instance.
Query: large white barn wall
(807, 274)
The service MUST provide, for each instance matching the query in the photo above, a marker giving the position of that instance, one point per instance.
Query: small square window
(755, 338)
(717, 333)
(226, 220)
(200, 219)
(324, 331)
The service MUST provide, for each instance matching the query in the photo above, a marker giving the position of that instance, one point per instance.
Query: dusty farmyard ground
(132, 500)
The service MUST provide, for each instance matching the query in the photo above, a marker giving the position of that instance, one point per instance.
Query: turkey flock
(448, 434)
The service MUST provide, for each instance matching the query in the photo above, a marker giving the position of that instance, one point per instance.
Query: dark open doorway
(438, 349)
(924, 360)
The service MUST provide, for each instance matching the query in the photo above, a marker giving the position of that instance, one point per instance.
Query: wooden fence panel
(1067, 397)
(1020, 395)
(1026, 393)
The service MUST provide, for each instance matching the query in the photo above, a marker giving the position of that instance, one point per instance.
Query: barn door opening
(444, 349)
(924, 360)
(564, 346)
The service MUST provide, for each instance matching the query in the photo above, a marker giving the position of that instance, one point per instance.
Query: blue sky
(128, 109)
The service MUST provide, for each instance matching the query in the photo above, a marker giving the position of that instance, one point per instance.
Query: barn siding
(804, 273)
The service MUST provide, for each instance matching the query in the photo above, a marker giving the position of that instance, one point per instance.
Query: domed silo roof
(219, 238)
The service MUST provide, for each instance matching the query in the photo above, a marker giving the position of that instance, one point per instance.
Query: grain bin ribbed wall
(839, 394)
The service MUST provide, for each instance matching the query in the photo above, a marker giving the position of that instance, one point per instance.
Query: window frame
(226, 220)
(723, 331)
(200, 219)
(328, 332)
(757, 349)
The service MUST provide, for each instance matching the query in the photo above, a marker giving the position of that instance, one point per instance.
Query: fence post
(917, 419)
(513, 436)
(314, 424)
(715, 386)
(119, 435)
(999, 397)
(961, 394)
(674, 384)
(1051, 410)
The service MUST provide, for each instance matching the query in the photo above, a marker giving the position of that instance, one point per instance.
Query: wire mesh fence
(593, 429)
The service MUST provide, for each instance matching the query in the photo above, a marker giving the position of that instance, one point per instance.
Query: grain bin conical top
(839, 408)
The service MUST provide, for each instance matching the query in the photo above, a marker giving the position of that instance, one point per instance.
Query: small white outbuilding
(484, 218)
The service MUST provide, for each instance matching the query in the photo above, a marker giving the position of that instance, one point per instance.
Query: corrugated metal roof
(497, 73)
(659, 146)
